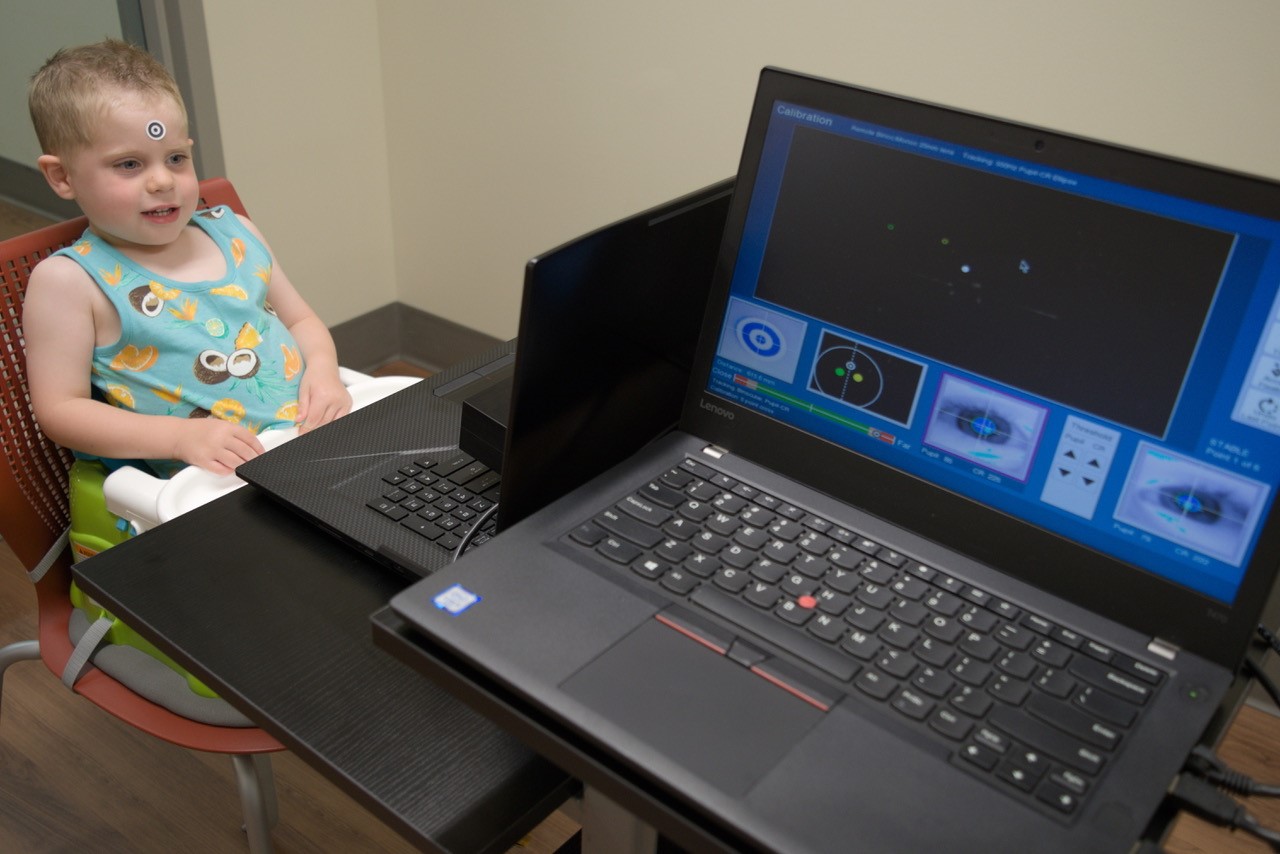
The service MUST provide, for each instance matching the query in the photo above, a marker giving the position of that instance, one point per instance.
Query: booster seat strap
(87, 646)
(37, 572)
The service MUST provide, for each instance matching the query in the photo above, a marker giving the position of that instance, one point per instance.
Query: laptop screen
(1098, 358)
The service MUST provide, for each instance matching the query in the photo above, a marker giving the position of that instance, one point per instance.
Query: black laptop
(970, 514)
(394, 480)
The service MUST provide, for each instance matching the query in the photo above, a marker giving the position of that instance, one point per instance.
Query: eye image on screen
(866, 377)
(994, 430)
(761, 339)
(1191, 503)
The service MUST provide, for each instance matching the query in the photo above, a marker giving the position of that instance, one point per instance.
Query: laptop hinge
(714, 451)
(1164, 649)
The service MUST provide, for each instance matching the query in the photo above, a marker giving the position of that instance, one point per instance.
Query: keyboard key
(1073, 722)
(1106, 706)
(1100, 675)
(1019, 777)
(588, 533)
(731, 579)
(934, 682)
(875, 684)
(984, 757)
(1055, 683)
(422, 527)
(971, 701)
(649, 568)
(913, 704)
(663, 495)
(627, 527)
(953, 726)
(1041, 736)
(678, 581)
(1057, 796)
(647, 512)
(618, 551)
(793, 612)
(762, 595)
(861, 645)
(934, 653)
(827, 627)
(1141, 669)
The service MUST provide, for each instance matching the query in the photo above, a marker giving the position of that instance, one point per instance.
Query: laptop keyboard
(440, 498)
(1035, 707)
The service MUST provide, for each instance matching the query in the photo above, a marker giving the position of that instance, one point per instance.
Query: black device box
(484, 423)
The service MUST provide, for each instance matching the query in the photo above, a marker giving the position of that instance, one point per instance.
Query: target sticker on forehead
(156, 130)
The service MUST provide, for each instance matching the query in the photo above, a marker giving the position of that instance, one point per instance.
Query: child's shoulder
(58, 270)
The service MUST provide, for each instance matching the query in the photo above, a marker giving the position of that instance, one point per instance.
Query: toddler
(165, 334)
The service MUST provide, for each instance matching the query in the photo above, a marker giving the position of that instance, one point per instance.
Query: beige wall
(479, 133)
(30, 31)
(299, 91)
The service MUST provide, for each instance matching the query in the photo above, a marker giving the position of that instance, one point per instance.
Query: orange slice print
(83, 248)
(112, 278)
(230, 291)
(248, 337)
(237, 250)
(120, 396)
(163, 292)
(264, 273)
(288, 412)
(167, 395)
(133, 359)
(292, 361)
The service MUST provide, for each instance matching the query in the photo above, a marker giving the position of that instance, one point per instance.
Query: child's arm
(321, 397)
(61, 315)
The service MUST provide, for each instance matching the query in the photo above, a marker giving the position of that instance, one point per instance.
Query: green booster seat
(123, 653)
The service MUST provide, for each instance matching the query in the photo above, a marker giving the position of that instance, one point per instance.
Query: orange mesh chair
(34, 517)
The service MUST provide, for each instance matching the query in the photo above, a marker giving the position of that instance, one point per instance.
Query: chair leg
(257, 798)
(15, 652)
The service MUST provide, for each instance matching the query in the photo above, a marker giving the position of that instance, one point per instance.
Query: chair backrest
(33, 478)
(33, 500)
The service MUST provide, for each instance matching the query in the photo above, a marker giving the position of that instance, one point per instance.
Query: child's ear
(56, 174)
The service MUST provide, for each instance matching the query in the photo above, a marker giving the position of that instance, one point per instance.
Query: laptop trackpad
(700, 709)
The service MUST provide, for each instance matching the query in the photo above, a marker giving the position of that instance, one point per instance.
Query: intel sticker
(455, 600)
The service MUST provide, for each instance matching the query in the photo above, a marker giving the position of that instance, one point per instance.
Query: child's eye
(128, 165)
(178, 159)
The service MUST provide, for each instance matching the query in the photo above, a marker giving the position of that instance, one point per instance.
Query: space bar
(769, 628)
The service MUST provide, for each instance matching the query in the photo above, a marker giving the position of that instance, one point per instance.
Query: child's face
(136, 182)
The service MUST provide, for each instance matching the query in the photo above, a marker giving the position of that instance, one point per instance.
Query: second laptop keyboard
(440, 498)
(1034, 706)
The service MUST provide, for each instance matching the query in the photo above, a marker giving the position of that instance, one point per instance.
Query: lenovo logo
(718, 410)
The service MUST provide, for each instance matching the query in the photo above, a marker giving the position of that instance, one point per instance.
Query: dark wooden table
(274, 616)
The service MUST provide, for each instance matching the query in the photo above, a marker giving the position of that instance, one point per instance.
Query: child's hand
(321, 398)
(215, 445)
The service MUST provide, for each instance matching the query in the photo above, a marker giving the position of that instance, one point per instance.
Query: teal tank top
(196, 349)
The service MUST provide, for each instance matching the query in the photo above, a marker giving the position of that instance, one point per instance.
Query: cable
(1255, 670)
(1201, 798)
(1269, 636)
(473, 531)
(1205, 763)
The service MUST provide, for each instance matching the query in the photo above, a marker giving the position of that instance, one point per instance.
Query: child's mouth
(161, 213)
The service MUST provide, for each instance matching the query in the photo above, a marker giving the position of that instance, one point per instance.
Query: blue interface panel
(1096, 359)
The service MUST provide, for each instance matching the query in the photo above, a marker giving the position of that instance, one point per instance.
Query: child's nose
(159, 180)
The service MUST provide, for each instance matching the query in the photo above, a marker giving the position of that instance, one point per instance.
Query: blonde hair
(77, 85)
